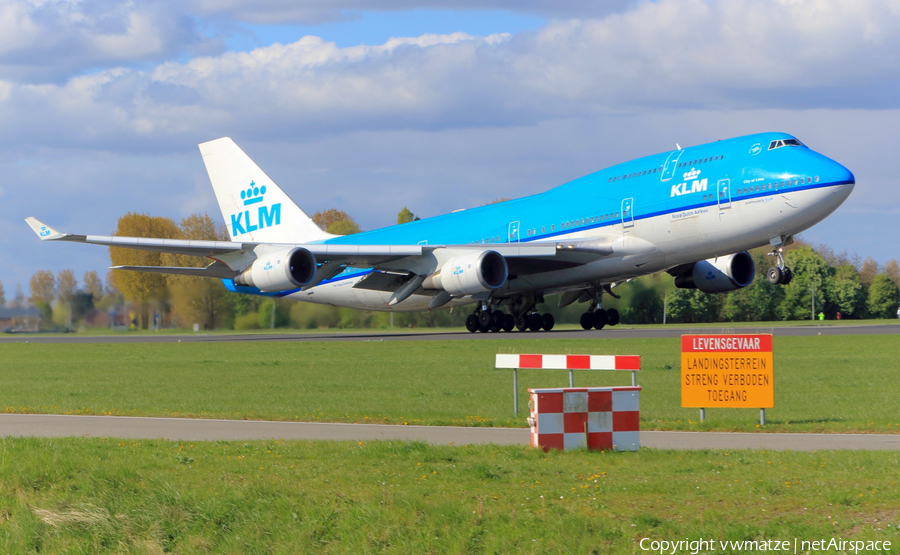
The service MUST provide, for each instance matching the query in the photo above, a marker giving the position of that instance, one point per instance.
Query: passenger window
(553, 227)
(817, 179)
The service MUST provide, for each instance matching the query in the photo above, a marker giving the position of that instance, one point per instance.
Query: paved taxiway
(186, 429)
(618, 332)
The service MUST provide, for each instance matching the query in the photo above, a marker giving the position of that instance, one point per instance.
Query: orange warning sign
(727, 371)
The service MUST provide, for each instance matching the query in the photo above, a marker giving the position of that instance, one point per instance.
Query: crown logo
(691, 174)
(254, 194)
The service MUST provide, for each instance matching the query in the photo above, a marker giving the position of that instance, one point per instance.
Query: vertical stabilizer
(255, 209)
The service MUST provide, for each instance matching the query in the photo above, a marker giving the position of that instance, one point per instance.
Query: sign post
(727, 371)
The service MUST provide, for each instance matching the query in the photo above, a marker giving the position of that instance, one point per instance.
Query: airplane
(692, 212)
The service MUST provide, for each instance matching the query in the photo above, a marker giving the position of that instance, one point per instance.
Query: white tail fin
(255, 209)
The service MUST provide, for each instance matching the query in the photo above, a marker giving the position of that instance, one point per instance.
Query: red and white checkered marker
(593, 417)
(570, 362)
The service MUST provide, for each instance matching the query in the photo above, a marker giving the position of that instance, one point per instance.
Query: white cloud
(659, 56)
(436, 122)
(54, 40)
(320, 11)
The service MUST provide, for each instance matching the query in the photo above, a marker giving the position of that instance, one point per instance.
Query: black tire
(497, 317)
(484, 318)
(612, 317)
(587, 320)
(534, 322)
(774, 275)
(472, 323)
(787, 276)
(599, 318)
(485, 329)
(547, 321)
(509, 322)
(521, 323)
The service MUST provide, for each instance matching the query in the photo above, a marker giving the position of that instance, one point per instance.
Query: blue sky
(370, 106)
(371, 27)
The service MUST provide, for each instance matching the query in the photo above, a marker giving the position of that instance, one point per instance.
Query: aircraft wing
(238, 256)
(174, 246)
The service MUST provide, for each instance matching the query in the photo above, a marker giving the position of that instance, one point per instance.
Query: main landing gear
(779, 274)
(487, 320)
(597, 318)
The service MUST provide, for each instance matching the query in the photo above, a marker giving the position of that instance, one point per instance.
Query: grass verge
(80, 495)
(829, 384)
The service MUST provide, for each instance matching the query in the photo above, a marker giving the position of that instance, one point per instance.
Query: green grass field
(833, 384)
(79, 495)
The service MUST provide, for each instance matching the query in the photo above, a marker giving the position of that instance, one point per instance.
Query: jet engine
(717, 275)
(280, 270)
(471, 273)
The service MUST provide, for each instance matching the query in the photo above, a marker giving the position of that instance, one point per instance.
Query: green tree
(884, 297)
(19, 300)
(282, 314)
(325, 218)
(94, 286)
(811, 274)
(405, 216)
(196, 299)
(892, 270)
(756, 302)
(691, 306)
(141, 287)
(43, 287)
(646, 307)
(868, 271)
(344, 227)
(66, 285)
(336, 222)
(845, 292)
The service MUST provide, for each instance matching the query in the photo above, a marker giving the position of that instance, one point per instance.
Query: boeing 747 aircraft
(691, 212)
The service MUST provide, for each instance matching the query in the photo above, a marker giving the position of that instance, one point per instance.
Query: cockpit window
(786, 142)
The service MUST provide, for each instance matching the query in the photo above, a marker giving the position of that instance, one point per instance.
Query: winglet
(44, 231)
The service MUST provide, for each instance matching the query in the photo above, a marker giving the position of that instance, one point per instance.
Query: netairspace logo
(701, 545)
(266, 216)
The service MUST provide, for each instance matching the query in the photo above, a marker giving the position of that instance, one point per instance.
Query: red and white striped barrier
(593, 417)
(570, 362)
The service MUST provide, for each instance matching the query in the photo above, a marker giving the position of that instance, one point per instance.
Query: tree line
(837, 285)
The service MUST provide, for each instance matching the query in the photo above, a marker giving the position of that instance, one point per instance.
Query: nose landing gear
(779, 274)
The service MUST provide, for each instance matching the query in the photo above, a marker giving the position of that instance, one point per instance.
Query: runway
(619, 332)
(186, 429)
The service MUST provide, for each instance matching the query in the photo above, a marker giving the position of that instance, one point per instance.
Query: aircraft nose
(843, 175)
(838, 174)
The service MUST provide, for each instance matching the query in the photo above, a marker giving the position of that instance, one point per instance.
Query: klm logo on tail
(266, 216)
(690, 185)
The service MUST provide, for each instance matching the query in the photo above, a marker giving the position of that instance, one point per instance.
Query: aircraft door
(724, 193)
(671, 165)
(513, 232)
(628, 212)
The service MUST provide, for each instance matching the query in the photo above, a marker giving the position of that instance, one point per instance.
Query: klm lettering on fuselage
(690, 184)
(264, 216)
